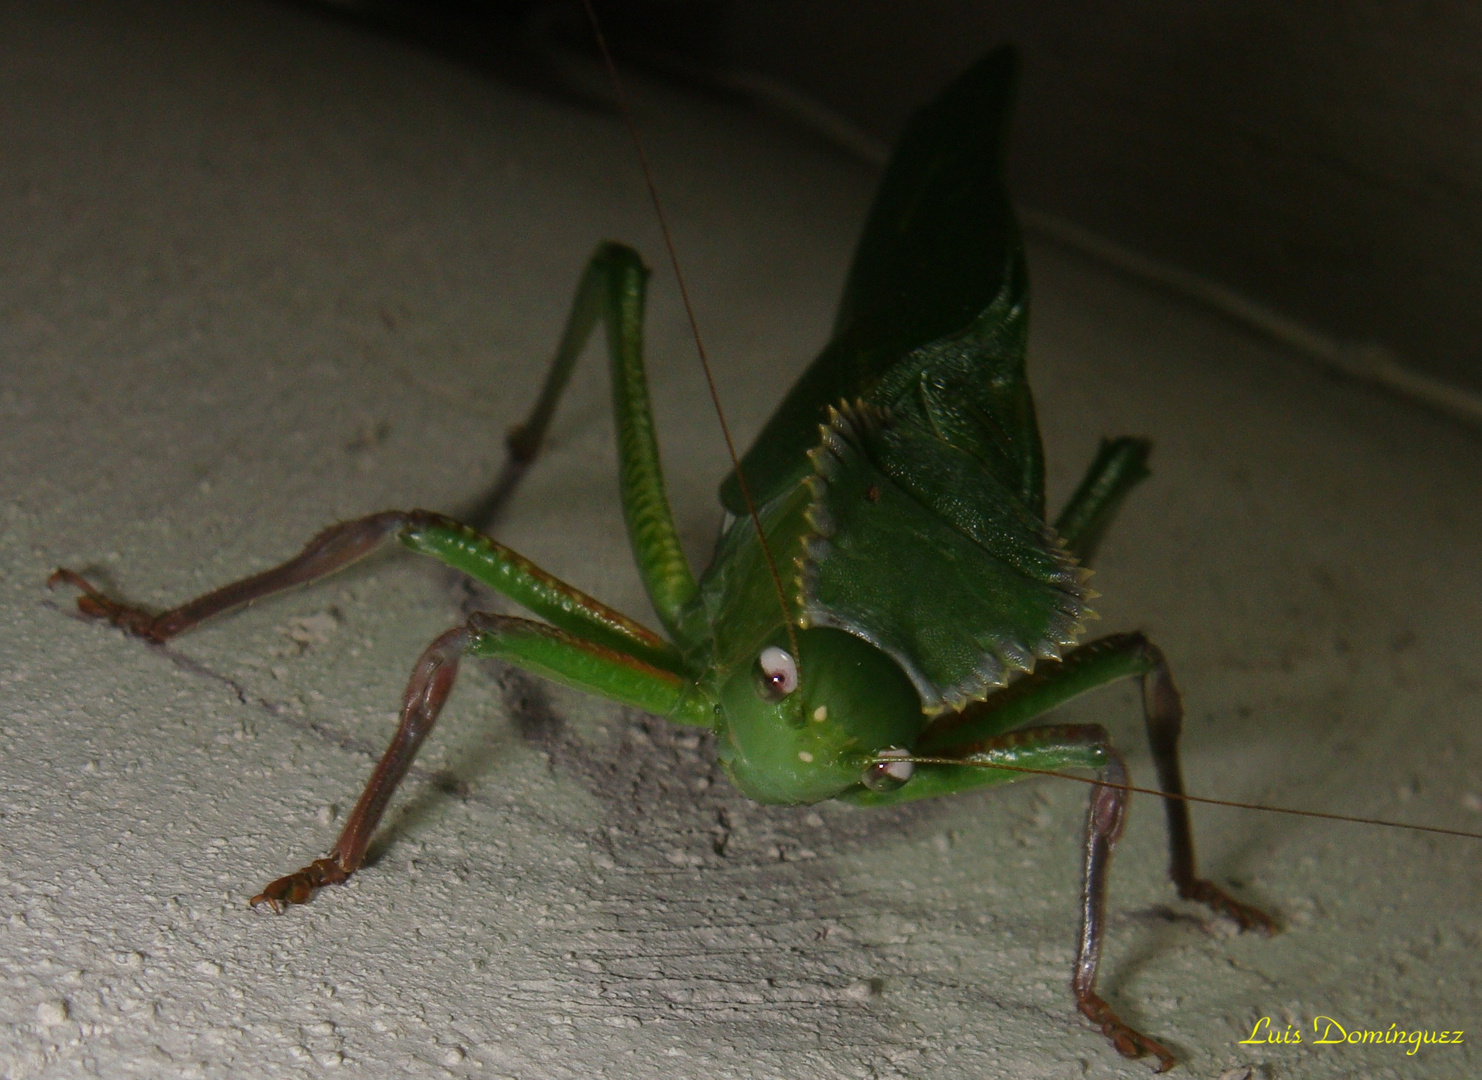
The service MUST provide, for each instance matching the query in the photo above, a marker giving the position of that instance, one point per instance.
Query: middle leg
(1095, 664)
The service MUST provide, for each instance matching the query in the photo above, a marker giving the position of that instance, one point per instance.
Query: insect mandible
(898, 609)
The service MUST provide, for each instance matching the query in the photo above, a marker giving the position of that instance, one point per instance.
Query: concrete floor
(264, 272)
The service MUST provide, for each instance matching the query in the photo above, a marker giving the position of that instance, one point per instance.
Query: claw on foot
(95, 605)
(1130, 1042)
(1249, 918)
(297, 887)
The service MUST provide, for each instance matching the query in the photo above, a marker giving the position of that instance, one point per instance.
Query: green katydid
(893, 614)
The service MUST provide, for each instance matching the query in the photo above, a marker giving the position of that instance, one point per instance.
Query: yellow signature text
(1329, 1032)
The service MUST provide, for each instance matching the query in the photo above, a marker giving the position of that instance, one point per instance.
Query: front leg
(536, 647)
(1057, 748)
(976, 737)
(1105, 817)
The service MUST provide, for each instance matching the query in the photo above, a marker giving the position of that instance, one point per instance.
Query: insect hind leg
(424, 532)
(1120, 465)
(333, 549)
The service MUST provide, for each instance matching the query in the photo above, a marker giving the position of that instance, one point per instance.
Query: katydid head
(807, 728)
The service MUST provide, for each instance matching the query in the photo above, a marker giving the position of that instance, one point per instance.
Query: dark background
(1320, 157)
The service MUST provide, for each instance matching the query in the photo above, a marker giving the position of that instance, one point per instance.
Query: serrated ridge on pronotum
(999, 650)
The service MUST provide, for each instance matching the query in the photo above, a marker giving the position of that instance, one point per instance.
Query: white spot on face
(821, 713)
(779, 670)
(803, 755)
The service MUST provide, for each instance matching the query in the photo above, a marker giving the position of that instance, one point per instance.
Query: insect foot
(95, 605)
(298, 886)
(1129, 1042)
(1221, 902)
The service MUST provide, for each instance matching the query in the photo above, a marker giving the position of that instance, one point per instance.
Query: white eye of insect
(885, 774)
(779, 673)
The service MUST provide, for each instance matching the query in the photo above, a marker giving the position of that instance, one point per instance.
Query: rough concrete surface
(263, 272)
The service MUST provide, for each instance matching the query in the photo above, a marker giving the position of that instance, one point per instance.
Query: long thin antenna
(979, 764)
(689, 311)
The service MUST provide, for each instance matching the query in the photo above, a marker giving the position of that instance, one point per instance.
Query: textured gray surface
(264, 273)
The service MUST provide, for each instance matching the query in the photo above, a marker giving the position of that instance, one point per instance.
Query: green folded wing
(936, 241)
(969, 388)
(920, 549)
(938, 269)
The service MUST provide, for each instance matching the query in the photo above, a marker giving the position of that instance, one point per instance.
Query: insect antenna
(1028, 770)
(689, 311)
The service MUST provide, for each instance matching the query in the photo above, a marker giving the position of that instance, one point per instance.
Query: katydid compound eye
(888, 772)
(778, 673)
